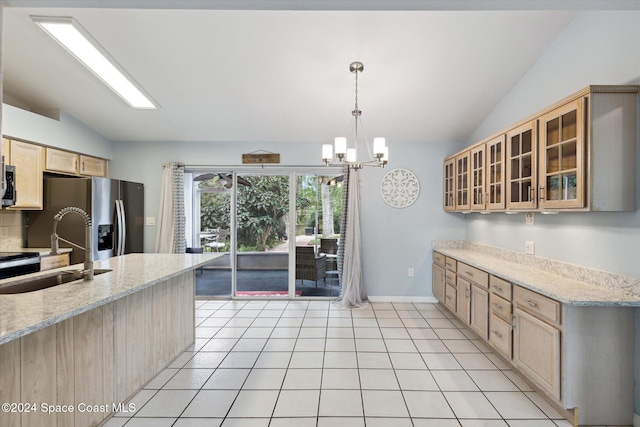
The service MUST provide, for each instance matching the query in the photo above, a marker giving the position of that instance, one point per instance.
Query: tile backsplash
(11, 230)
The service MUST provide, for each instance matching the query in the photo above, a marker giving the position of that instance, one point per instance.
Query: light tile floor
(309, 363)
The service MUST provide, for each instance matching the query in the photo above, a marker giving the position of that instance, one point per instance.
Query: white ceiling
(281, 75)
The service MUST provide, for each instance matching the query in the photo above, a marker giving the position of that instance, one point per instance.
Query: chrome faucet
(87, 273)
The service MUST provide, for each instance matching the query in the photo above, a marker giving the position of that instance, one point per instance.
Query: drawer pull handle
(498, 288)
(496, 305)
(532, 304)
(448, 296)
(470, 273)
(498, 334)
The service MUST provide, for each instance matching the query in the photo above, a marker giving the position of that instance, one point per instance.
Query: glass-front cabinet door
(478, 178)
(495, 153)
(521, 165)
(463, 201)
(449, 202)
(562, 157)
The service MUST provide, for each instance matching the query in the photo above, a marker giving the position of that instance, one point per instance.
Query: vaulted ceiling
(279, 71)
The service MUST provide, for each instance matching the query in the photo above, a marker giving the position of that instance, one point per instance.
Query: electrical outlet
(411, 272)
(529, 247)
(151, 220)
(529, 218)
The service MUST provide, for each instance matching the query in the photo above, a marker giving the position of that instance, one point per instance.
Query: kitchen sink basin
(47, 281)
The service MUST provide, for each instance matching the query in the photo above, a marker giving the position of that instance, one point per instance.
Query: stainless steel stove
(18, 263)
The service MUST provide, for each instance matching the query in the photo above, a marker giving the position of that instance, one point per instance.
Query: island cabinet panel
(100, 357)
(38, 374)
(10, 381)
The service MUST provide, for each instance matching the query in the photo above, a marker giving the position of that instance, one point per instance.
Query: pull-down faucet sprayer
(88, 260)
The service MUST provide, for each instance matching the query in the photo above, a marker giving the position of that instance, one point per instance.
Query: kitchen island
(72, 354)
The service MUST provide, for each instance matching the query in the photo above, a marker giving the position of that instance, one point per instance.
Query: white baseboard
(636, 420)
(403, 299)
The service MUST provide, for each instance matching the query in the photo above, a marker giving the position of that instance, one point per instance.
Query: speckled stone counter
(568, 283)
(21, 314)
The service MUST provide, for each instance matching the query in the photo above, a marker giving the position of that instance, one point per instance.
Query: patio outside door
(262, 231)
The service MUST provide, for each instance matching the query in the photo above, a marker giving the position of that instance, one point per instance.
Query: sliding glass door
(262, 232)
(319, 217)
(276, 231)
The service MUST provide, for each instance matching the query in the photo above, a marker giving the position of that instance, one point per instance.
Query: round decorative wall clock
(399, 188)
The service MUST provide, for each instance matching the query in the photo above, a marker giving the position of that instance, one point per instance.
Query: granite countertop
(563, 289)
(21, 314)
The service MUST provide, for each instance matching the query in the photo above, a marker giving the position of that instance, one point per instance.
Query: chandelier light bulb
(327, 152)
(341, 145)
(378, 146)
(351, 155)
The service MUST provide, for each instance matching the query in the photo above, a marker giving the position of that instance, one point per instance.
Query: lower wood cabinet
(536, 351)
(579, 357)
(500, 336)
(479, 315)
(463, 309)
(450, 297)
(49, 262)
(438, 280)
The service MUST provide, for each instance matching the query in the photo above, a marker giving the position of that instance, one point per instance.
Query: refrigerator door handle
(119, 228)
(123, 227)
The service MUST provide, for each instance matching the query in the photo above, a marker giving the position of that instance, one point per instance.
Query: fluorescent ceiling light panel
(80, 44)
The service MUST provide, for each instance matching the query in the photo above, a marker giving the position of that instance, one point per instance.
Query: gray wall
(393, 239)
(67, 133)
(596, 48)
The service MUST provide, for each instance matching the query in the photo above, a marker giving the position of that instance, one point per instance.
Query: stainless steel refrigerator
(116, 209)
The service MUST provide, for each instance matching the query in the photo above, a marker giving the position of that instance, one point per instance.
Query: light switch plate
(150, 220)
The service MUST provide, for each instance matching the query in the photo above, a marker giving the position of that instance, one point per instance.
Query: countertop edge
(194, 261)
(600, 296)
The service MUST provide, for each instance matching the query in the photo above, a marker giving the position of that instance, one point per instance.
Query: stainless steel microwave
(9, 198)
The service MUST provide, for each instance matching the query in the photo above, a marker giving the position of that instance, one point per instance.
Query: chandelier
(348, 155)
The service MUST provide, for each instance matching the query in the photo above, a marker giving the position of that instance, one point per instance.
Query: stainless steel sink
(47, 281)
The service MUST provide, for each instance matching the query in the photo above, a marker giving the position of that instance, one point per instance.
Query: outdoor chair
(329, 246)
(217, 240)
(310, 266)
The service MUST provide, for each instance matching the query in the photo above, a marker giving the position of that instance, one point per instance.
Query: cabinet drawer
(451, 264)
(54, 261)
(500, 335)
(451, 277)
(500, 287)
(473, 274)
(536, 304)
(438, 258)
(500, 306)
(450, 298)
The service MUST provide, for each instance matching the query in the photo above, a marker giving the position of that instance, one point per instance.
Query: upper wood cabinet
(562, 148)
(478, 178)
(463, 181)
(28, 160)
(92, 166)
(495, 152)
(521, 165)
(578, 154)
(449, 202)
(61, 161)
